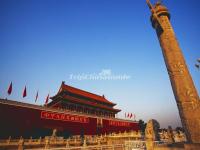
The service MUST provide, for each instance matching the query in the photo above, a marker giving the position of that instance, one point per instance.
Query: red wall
(23, 121)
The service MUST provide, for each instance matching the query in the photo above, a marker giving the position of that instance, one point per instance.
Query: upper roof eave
(83, 93)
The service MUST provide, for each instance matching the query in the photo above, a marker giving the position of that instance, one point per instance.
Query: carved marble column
(186, 96)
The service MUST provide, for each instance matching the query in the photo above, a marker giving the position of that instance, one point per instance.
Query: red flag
(131, 115)
(36, 97)
(9, 89)
(24, 92)
(128, 115)
(47, 99)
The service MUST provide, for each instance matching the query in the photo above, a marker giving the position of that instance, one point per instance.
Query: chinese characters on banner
(119, 123)
(63, 117)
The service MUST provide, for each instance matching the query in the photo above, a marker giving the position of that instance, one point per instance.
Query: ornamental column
(186, 95)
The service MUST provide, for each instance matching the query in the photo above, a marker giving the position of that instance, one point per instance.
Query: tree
(178, 129)
(142, 125)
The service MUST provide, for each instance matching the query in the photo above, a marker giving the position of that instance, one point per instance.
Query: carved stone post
(151, 131)
(84, 143)
(170, 134)
(47, 143)
(40, 140)
(67, 143)
(186, 96)
(21, 144)
(8, 141)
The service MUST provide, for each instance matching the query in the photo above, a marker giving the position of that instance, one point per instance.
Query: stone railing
(50, 142)
(177, 136)
(133, 134)
(76, 143)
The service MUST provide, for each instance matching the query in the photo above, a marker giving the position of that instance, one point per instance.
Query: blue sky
(43, 42)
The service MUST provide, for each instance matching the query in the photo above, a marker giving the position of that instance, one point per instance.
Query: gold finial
(154, 14)
(151, 6)
(159, 1)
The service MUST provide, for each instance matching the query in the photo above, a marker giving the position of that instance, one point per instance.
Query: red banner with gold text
(63, 117)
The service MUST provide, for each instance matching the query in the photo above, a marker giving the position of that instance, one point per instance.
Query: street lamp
(198, 63)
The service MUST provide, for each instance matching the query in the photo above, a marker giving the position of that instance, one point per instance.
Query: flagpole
(24, 92)
(47, 99)
(36, 96)
(9, 91)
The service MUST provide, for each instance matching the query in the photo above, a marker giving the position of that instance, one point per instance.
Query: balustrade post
(67, 143)
(84, 143)
(47, 143)
(30, 140)
(21, 144)
(8, 141)
(40, 140)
